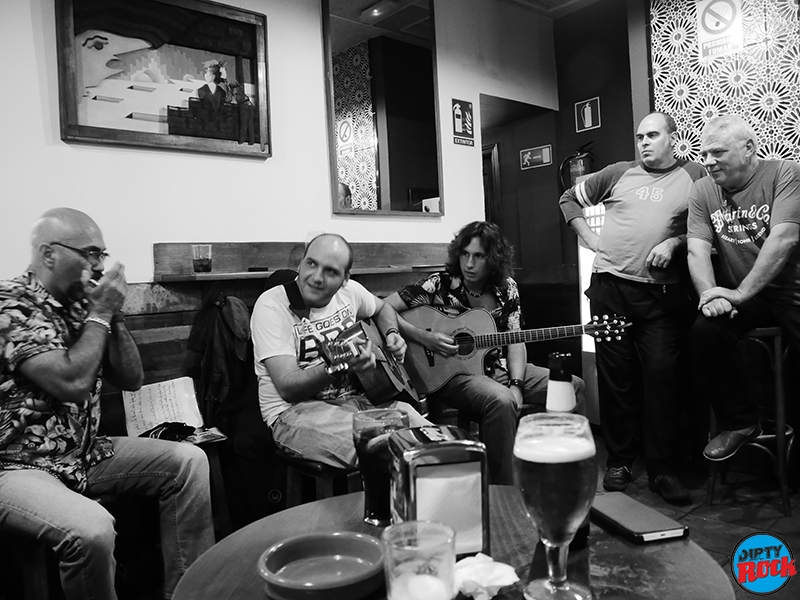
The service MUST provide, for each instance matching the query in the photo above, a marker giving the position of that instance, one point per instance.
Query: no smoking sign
(719, 27)
(719, 16)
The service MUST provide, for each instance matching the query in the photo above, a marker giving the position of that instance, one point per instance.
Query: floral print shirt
(443, 289)
(38, 430)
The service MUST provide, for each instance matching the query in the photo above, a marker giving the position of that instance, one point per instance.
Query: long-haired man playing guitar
(478, 275)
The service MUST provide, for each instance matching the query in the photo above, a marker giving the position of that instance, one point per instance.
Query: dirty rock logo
(762, 563)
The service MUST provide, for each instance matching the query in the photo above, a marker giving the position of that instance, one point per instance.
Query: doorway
(492, 197)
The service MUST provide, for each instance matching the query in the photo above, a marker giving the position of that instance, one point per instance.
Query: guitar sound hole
(466, 343)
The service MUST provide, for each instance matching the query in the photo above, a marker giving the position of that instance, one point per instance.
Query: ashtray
(323, 565)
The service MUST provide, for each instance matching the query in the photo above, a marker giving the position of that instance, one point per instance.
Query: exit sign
(530, 158)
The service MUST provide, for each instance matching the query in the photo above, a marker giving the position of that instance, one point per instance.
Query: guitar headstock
(607, 328)
(337, 352)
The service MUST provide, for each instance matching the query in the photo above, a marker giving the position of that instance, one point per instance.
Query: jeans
(489, 399)
(322, 430)
(720, 372)
(639, 375)
(81, 531)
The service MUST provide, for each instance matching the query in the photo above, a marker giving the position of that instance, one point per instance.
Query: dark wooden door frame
(492, 197)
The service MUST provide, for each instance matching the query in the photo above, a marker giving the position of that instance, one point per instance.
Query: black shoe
(727, 443)
(670, 488)
(617, 479)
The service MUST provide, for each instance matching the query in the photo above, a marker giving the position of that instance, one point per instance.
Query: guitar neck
(507, 338)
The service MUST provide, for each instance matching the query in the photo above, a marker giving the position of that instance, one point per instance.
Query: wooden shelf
(211, 276)
(167, 278)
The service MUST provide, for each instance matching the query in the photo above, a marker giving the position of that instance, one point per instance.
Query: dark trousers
(721, 372)
(639, 376)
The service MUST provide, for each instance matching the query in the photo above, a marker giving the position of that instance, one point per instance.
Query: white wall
(489, 47)
(141, 196)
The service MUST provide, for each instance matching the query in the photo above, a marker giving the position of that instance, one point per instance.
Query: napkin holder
(439, 473)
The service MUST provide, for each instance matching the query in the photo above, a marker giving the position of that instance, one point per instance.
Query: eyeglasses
(94, 256)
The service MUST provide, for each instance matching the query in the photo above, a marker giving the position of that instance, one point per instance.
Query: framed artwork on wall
(180, 74)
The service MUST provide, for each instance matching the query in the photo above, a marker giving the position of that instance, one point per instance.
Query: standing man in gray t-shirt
(639, 271)
(749, 210)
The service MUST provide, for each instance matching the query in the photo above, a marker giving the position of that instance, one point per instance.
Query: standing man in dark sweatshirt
(637, 273)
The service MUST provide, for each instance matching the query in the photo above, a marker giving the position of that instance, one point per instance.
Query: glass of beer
(555, 470)
(371, 431)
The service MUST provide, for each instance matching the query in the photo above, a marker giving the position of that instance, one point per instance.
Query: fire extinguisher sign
(587, 114)
(463, 123)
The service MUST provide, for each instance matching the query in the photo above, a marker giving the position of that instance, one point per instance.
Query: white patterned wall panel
(352, 94)
(761, 83)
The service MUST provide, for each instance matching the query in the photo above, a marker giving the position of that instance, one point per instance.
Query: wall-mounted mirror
(382, 113)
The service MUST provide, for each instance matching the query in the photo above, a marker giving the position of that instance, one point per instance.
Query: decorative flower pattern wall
(352, 93)
(761, 83)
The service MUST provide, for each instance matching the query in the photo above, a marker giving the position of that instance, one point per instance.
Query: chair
(33, 555)
(442, 414)
(777, 438)
(324, 476)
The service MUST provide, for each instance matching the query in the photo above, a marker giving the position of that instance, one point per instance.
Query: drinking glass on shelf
(371, 431)
(554, 467)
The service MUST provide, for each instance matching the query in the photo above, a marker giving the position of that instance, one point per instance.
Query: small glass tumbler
(419, 561)
(371, 431)
(201, 258)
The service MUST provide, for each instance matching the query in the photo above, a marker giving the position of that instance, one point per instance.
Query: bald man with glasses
(62, 331)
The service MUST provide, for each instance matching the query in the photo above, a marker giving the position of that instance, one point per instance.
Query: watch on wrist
(516, 383)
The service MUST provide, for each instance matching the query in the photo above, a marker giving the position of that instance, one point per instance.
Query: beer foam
(554, 449)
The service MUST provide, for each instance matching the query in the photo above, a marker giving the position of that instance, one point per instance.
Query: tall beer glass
(371, 431)
(555, 470)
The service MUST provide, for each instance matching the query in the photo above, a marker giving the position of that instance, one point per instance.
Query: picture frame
(186, 75)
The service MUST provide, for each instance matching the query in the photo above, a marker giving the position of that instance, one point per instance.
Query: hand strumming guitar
(440, 343)
(396, 345)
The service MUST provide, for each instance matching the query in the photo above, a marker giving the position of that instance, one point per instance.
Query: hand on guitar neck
(352, 353)
(382, 376)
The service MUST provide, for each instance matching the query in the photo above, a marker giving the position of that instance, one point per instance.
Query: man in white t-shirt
(309, 407)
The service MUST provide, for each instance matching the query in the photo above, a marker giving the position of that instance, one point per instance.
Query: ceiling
(410, 21)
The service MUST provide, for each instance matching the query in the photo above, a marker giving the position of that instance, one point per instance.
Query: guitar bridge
(429, 354)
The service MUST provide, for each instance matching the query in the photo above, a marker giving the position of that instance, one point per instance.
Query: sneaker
(617, 479)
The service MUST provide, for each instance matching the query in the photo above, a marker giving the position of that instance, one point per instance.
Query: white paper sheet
(162, 402)
(451, 494)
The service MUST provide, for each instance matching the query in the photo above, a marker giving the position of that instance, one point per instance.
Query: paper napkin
(481, 577)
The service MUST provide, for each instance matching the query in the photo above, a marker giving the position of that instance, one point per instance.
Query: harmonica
(92, 283)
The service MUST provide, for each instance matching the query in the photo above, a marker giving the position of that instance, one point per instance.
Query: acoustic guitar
(475, 333)
(388, 379)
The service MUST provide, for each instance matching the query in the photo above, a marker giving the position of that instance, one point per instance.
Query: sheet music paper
(162, 402)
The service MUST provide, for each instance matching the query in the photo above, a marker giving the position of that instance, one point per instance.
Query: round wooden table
(614, 568)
